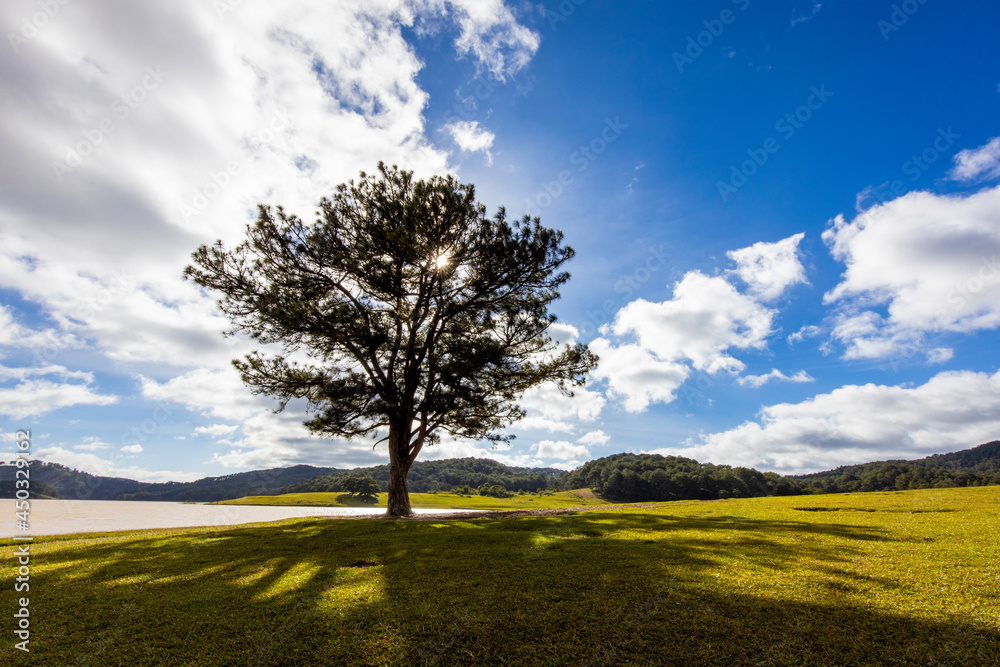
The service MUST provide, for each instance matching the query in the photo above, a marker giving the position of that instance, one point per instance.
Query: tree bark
(399, 496)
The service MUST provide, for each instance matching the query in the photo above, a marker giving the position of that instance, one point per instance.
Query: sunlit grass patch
(294, 578)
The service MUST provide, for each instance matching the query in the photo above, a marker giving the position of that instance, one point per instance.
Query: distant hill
(36, 490)
(444, 475)
(74, 484)
(979, 466)
(70, 483)
(79, 485)
(617, 477)
(651, 477)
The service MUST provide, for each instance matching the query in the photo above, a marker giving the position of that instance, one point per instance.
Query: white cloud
(636, 376)
(449, 448)
(471, 138)
(131, 449)
(770, 268)
(550, 449)
(803, 15)
(216, 392)
(91, 444)
(536, 423)
(571, 464)
(807, 331)
(344, 73)
(939, 355)
(706, 318)
(208, 115)
(32, 396)
(45, 343)
(868, 336)
(269, 440)
(595, 438)
(549, 409)
(52, 369)
(931, 261)
(856, 424)
(491, 34)
(757, 381)
(563, 334)
(977, 163)
(98, 466)
(215, 430)
(277, 440)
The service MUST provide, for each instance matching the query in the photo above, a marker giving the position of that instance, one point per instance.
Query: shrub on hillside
(494, 491)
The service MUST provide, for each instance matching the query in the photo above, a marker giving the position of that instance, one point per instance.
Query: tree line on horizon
(979, 466)
(619, 477)
(651, 477)
(445, 475)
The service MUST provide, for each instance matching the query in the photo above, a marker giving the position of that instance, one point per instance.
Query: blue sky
(786, 215)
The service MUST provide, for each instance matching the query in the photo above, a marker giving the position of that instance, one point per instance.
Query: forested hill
(78, 485)
(444, 475)
(979, 466)
(37, 490)
(70, 483)
(621, 477)
(651, 477)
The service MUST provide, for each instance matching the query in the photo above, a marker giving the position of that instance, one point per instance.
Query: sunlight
(355, 586)
(442, 260)
(294, 579)
(254, 576)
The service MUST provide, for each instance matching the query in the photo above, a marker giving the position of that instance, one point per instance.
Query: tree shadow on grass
(586, 589)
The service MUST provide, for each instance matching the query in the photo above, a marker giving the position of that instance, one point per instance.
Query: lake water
(59, 517)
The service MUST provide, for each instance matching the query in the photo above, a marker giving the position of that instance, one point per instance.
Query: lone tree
(410, 312)
(364, 488)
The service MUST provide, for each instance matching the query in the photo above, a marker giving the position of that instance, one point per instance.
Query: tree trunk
(399, 495)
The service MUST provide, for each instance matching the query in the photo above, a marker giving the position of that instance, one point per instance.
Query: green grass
(907, 578)
(578, 498)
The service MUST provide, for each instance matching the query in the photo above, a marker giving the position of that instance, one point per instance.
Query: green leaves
(412, 307)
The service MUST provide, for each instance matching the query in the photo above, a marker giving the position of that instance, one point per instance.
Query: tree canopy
(363, 488)
(651, 477)
(403, 313)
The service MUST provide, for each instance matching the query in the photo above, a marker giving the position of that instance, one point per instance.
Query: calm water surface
(58, 517)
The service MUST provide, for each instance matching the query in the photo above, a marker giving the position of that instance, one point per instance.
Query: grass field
(579, 498)
(908, 578)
